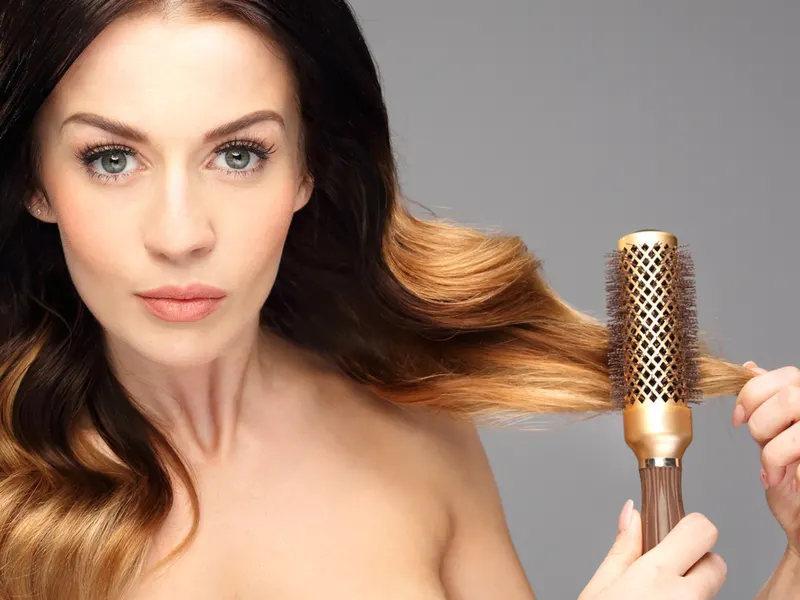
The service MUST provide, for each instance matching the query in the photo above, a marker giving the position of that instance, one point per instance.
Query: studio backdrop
(571, 124)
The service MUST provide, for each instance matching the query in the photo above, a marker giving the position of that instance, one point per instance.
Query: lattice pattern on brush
(653, 352)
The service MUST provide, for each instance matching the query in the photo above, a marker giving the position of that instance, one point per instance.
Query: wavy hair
(422, 312)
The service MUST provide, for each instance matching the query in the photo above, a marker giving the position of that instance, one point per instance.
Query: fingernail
(625, 516)
(749, 363)
(738, 415)
(764, 478)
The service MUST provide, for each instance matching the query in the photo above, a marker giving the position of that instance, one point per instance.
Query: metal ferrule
(658, 431)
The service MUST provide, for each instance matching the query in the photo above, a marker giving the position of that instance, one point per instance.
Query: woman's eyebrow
(130, 132)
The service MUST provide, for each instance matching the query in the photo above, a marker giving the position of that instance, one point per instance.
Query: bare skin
(343, 496)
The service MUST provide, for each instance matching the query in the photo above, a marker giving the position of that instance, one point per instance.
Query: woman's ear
(39, 208)
(304, 191)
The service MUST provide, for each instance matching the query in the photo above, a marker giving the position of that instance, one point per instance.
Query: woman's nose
(179, 227)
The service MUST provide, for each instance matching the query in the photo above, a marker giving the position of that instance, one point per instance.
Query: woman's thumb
(626, 549)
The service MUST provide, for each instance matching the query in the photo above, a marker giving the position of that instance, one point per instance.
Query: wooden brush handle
(662, 503)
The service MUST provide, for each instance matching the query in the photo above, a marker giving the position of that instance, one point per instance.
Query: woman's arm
(784, 584)
(480, 562)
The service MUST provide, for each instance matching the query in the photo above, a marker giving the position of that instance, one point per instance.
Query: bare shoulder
(478, 560)
(481, 560)
(432, 442)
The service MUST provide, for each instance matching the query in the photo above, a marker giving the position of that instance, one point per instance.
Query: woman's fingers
(759, 389)
(775, 415)
(780, 452)
(691, 538)
(708, 575)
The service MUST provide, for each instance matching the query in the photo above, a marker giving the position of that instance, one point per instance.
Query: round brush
(653, 366)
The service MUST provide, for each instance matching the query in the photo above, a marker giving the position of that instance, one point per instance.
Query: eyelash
(258, 146)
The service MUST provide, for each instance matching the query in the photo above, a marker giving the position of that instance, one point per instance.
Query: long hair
(421, 312)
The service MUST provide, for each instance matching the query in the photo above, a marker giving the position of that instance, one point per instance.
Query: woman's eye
(113, 163)
(236, 158)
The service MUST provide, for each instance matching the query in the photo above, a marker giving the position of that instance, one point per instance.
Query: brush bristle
(688, 323)
(616, 328)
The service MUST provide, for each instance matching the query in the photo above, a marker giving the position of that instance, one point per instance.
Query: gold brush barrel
(657, 419)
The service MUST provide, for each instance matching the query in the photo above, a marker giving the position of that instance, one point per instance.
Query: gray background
(571, 124)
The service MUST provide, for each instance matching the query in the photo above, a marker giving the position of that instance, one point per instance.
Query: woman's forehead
(164, 72)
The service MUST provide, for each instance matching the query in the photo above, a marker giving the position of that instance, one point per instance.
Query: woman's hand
(770, 405)
(681, 566)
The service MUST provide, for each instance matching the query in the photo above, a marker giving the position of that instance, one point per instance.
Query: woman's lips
(181, 310)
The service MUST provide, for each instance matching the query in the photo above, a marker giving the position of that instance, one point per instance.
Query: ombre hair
(421, 312)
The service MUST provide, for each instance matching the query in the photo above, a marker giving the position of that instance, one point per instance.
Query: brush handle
(662, 503)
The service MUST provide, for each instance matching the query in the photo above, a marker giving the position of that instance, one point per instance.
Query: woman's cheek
(261, 231)
(95, 243)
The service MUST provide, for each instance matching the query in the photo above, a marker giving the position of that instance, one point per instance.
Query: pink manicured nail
(764, 478)
(625, 516)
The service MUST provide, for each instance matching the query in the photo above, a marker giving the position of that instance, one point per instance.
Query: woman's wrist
(785, 581)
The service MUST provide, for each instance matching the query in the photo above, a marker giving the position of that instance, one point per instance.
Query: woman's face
(149, 186)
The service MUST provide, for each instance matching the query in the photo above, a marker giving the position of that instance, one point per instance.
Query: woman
(231, 360)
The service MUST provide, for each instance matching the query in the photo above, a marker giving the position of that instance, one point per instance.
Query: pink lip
(182, 304)
(181, 311)
(190, 292)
